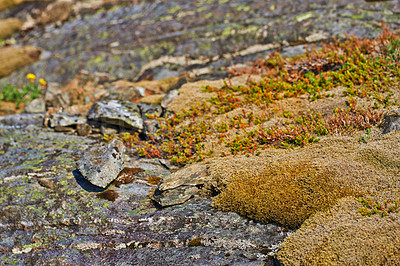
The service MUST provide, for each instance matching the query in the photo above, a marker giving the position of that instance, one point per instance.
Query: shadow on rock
(86, 185)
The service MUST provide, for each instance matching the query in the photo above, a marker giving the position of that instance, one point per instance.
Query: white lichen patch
(87, 245)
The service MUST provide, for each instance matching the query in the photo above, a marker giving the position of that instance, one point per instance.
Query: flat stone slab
(66, 120)
(192, 175)
(119, 113)
(179, 187)
(101, 165)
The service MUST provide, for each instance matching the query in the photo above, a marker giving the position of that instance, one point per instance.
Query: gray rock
(36, 106)
(171, 95)
(150, 109)
(176, 196)
(55, 97)
(101, 165)
(180, 186)
(391, 121)
(118, 113)
(66, 120)
(108, 129)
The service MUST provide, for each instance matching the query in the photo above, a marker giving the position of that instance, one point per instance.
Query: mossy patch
(342, 236)
(284, 194)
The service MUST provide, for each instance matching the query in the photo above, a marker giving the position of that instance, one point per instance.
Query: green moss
(196, 242)
(284, 194)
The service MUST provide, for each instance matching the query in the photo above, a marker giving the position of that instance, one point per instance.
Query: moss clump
(284, 194)
(343, 236)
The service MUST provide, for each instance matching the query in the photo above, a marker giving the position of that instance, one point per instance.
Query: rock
(391, 121)
(149, 109)
(125, 90)
(174, 197)
(108, 130)
(168, 98)
(54, 97)
(14, 58)
(64, 129)
(136, 91)
(101, 165)
(36, 106)
(83, 129)
(9, 26)
(180, 186)
(66, 120)
(84, 89)
(118, 113)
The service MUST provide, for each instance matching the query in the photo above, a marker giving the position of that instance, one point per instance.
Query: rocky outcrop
(180, 186)
(118, 113)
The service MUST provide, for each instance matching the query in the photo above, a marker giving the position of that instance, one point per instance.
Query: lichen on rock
(101, 165)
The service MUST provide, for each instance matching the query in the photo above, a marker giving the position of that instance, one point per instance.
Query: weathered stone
(64, 129)
(119, 113)
(149, 109)
(84, 89)
(101, 165)
(36, 106)
(176, 196)
(168, 98)
(9, 26)
(65, 120)
(180, 186)
(391, 121)
(83, 129)
(192, 175)
(14, 58)
(108, 130)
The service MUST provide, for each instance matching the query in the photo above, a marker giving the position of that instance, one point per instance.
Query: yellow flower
(31, 77)
(43, 82)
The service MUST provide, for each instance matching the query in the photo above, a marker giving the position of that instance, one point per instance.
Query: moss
(342, 236)
(284, 194)
(196, 242)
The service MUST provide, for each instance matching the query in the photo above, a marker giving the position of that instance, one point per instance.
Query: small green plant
(370, 207)
(366, 138)
(24, 93)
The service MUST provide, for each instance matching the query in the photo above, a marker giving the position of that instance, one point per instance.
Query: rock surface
(72, 226)
(179, 36)
(101, 165)
(391, 121)
(122, 114)
(180, 186)
(65, 120)
(50, 214)
(36, 106)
